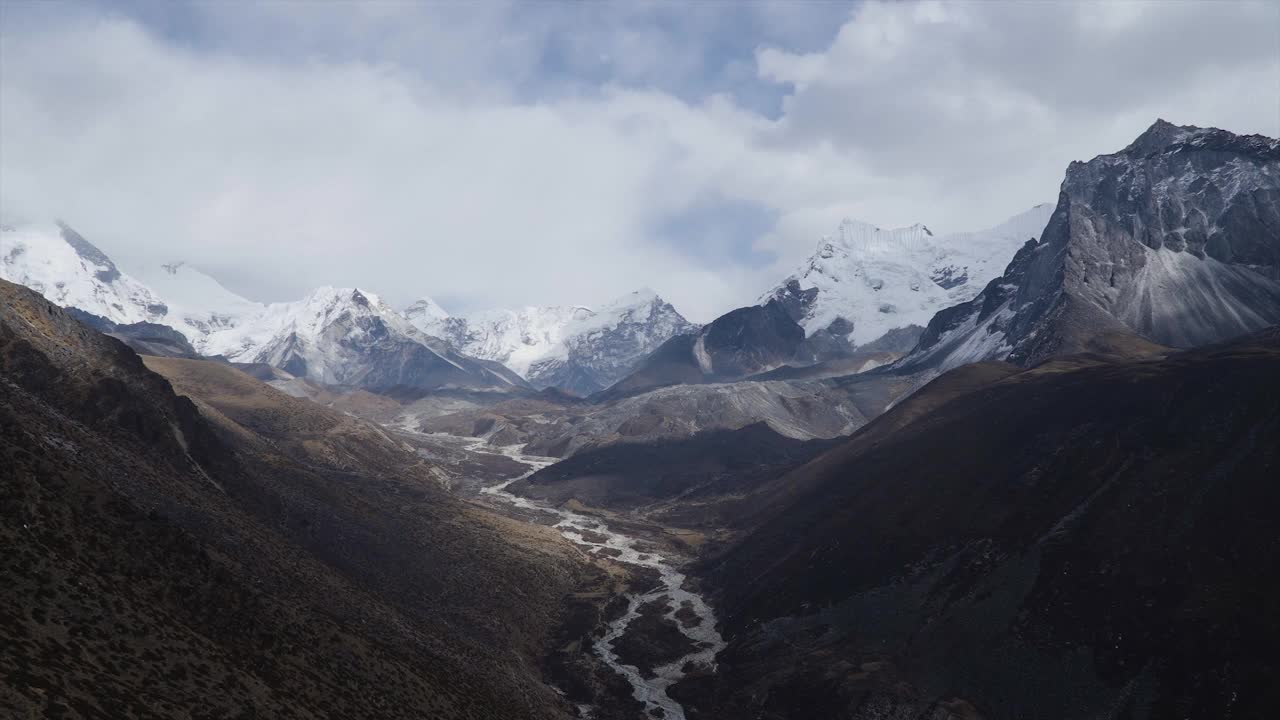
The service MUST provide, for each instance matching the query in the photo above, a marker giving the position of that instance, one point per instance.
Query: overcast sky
(495, 154)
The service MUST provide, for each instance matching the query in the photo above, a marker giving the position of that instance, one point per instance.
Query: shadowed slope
(1081, 539)
(244, 554)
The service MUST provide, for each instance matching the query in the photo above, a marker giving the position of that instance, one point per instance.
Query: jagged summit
(1164, 137)
(351, 337)
(867, 281)
(1172, 240)
(426, 309)
(573, 347)
(1159, 137)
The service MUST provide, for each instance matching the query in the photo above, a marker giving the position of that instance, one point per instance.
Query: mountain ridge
(1174, 240)
(867, 281)
(572, 347)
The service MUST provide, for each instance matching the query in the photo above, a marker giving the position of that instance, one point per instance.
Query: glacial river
(704, 636)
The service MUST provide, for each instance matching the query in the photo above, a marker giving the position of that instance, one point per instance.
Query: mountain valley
(1022, 472)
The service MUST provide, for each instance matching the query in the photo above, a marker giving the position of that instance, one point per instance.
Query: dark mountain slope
(1082, 539)
(741, 342)
(144, 337)
(247, 554)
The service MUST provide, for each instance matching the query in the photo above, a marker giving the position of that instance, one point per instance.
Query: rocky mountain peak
(1170, 241)
(1165, 137)
(1159, 137)
(107, 270)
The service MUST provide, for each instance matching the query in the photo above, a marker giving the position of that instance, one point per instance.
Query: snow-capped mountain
(57, 262)
(345, 336)
(198, 304)
(425, 311)
(333, 336)
(1175, 239)
(865, 281)
(515, 338)
(575, 348)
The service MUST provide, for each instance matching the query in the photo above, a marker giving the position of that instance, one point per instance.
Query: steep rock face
(1173, 240)
(747, 341)
(864, 281)
(144, 337)
(742, 342)
(575, 348)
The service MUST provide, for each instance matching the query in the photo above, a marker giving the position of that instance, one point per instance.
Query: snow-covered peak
(859, 237)
(325, 305)
(570, 346)
(865, 280)
(638, 306)
(192, 294)
(309, 322)
(334, 335)
(54, 260)
(425, 310)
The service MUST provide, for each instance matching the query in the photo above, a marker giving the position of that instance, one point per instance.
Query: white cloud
(970, 110)
(422, 157)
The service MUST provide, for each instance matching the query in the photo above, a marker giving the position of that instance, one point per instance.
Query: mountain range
(1027, 473)
(348, 337)
(1051, 519)
(344, 337)
(1168, 242)
(575, 348)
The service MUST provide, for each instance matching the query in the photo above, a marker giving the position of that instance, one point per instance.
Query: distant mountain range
(1171, 241)
(575, 348)
(342, 336)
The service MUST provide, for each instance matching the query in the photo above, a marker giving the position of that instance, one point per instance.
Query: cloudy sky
(496, 154)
